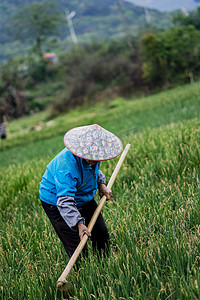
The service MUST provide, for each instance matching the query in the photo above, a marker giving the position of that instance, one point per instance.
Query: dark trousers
(70, 237)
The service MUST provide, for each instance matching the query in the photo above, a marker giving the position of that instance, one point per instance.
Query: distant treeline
(102, 71)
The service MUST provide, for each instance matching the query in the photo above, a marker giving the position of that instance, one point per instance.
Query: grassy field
(153, 218)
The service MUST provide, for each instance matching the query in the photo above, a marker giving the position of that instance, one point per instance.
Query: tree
(13, 102)
(170, 56)
(192, 19)
(154, 59)
(35, 23)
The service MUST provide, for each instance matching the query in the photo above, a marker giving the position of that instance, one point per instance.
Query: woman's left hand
(103, 190)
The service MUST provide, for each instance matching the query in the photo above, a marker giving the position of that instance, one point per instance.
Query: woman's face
(91, 162)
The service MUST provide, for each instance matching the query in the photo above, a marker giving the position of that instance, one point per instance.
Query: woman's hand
(83, 230)
(103, 190)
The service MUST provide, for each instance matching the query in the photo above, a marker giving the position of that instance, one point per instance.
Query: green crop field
(153, 217)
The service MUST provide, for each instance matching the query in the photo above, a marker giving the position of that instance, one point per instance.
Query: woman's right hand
(83, 230)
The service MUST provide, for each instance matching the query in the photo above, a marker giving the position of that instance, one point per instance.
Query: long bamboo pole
(62, 279)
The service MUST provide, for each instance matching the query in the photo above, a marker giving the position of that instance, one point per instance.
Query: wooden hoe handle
(62, 279)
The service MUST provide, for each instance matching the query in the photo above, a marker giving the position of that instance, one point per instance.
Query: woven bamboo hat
(93, 143)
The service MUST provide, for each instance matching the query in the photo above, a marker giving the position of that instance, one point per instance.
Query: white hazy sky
(167, 5)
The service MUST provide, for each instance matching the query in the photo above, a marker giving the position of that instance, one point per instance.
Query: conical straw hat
(93, 142)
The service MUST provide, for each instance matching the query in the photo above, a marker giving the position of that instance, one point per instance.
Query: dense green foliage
(99, 71)
(192, 19)
(170, 56)
(153, 217)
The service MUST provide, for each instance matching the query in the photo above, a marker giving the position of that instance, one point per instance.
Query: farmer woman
(70, 182)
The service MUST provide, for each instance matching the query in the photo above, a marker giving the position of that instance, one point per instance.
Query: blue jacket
(69, 175)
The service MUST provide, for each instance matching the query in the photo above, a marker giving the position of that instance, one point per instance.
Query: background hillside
(97, 20)
(167, 5)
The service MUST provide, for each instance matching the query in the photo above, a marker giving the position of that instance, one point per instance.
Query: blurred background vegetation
(118, 53)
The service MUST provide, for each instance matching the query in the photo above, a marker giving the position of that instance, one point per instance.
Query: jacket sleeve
(101, 178)
(69, 212)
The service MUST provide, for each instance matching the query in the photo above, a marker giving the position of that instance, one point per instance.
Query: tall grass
(153, 220)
